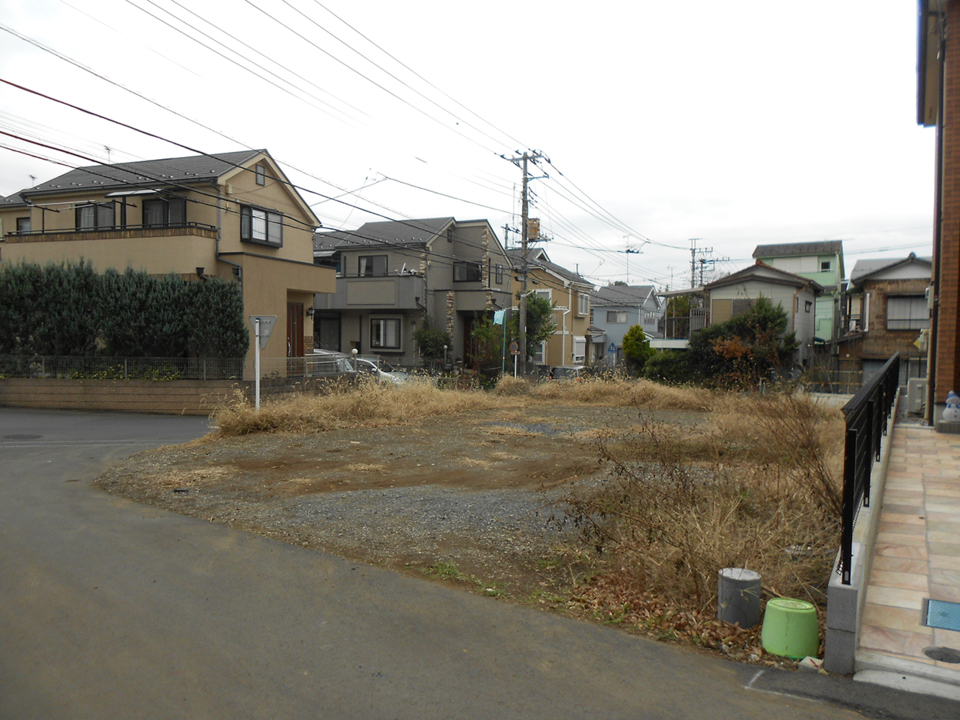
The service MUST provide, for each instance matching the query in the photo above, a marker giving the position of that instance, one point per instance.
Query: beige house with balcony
(233, 215)
(393, 275)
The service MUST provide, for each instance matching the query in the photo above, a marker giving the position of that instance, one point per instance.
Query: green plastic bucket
(790, 629)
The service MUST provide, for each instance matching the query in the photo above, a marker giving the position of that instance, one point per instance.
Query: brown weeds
(756, 487)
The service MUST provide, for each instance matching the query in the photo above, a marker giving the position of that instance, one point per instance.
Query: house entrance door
(294, 338)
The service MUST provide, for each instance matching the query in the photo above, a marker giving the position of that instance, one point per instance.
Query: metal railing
(866, 423)
(120, 368)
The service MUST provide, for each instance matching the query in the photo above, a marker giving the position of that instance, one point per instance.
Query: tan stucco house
(233, 215)
(570, 293)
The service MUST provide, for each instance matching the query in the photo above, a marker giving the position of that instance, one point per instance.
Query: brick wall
(948, 370)
(878, 342)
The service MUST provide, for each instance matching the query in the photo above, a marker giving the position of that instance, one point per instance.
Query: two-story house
(887, 312)
(233, 215)
(735, 294)
(617, 308)
(821, 262)
(394, 275)
(570, 293)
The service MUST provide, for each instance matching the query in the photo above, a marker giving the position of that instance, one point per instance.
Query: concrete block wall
(175, 397)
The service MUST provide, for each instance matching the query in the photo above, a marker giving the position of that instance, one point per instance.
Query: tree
(744, 348)
(430, 340)
(636, 347)
(540, 323)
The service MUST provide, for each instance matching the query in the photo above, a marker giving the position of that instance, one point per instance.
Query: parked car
(567, 372)
(381, 371)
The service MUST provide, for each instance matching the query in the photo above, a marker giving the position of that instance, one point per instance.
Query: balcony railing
(49, 235)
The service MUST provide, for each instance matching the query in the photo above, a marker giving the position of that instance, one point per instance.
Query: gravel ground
(475, 499)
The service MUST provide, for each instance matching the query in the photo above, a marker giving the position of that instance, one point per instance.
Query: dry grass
(365, 405)
(756, 487)
(623, 392)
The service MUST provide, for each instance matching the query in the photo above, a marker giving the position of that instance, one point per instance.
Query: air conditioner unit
(916, 395)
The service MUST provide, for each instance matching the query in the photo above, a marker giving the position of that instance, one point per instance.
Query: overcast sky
(738, 123)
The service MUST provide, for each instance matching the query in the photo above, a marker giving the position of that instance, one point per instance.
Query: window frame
(96, 207)
(167, 204)
(540, 353)
(376, 338)
(272, 225)
(916, 302)
(583, 304)
(21, 221)
(617, 315)
(464, 266)
(498, 274)
(361, 261)
(261, 173)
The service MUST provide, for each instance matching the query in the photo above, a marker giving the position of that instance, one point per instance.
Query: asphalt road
(110, 609)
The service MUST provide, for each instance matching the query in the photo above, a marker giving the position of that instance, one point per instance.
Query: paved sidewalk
(917, 557)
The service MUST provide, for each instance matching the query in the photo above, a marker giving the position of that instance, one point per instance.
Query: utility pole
(694, 251)
(524, 233)
(524, 237)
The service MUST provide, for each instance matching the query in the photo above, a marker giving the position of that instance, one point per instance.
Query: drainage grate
(942, 654)
(941, 614)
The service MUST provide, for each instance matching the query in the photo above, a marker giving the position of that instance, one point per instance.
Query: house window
(372, 266)
(545, 294)
(23, 225)
(807, 306)
(499, 274)
(824, 266)
(466, 272)
(583, 301)
(907, 312)
(540, 354)
(616, 316)
(163, 212)
(261, 226)
(385, 333)
(579, 349)
(261, 175)
(95, 216)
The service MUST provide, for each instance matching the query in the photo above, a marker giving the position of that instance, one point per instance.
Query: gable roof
(626, 295)
(765, 273)
(825, 247)
(393, 233)
(864, 269)
(537, 258)
(144, 173)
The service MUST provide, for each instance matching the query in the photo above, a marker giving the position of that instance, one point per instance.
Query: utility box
(916, 395)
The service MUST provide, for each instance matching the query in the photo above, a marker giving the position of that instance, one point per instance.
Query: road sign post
(262, 327)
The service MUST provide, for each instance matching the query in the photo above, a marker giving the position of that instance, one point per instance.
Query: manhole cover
(942, 654)
(22, 437)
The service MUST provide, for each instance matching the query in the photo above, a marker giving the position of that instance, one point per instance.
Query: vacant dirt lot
(470, 498)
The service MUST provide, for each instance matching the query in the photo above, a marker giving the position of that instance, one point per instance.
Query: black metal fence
(866, 423)
(118, 368)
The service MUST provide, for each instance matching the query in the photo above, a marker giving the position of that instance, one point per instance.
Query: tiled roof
(536, 257)
(390, 232)
(825, 247)
(146, 173)
(766, 273)
(629, 295)
(864, 268)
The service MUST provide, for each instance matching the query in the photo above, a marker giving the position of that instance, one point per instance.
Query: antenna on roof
(33, 180)
(108, 152)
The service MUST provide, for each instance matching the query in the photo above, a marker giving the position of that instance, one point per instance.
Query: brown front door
(294, 337)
